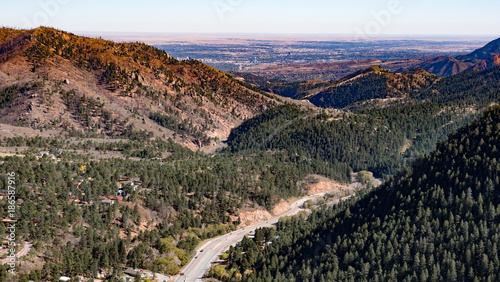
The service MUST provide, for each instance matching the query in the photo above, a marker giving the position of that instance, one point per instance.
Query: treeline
(145, 148)
(437, 221)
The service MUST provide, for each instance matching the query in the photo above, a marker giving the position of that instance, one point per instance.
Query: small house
(107, 201)
(124, 178)
(117, 198)
(135, 273)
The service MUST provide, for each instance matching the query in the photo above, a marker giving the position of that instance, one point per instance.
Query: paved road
(209, 252)
(26, 249)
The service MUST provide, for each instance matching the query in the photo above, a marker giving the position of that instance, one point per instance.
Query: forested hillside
(381, 138)
(370, 86)
(373, 83)
(378, 140)
(148, 209)
(51, 79)
(468, 86)
(438, 220)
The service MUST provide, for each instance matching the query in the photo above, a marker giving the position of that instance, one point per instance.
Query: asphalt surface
(26, 249)
(210, 251)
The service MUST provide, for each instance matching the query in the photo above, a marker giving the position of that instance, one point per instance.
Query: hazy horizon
(228, 38)
(366, 19)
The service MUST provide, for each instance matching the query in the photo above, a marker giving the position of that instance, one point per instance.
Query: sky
(369, 18)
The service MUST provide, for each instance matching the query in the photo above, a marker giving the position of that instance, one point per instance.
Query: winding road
(26, 249)
(209, 252)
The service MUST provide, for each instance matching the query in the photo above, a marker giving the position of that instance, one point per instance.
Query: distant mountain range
(481, 59)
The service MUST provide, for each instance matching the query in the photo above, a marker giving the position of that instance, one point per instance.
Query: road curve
(26, 249)
(210, 251)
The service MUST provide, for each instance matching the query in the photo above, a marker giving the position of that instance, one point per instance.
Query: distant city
(249, 54)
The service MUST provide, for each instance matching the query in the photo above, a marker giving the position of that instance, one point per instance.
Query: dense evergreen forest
(468, 86)
(378, 140)
(438, 220)
(71, 215)
(371, 86)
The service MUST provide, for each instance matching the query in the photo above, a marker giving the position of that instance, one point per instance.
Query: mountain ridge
(376, 87)
(374, 84)
(484, 53)
(480, 59)
(126, 82)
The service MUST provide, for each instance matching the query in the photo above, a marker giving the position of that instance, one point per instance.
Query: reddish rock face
(480, 65)
(496, 60)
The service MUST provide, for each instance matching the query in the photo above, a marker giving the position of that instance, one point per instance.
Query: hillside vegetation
(101, 88)
(377, 87)
(469, 86)
(437, 221)
(378, 140)
(379, 137)
(148, 210)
